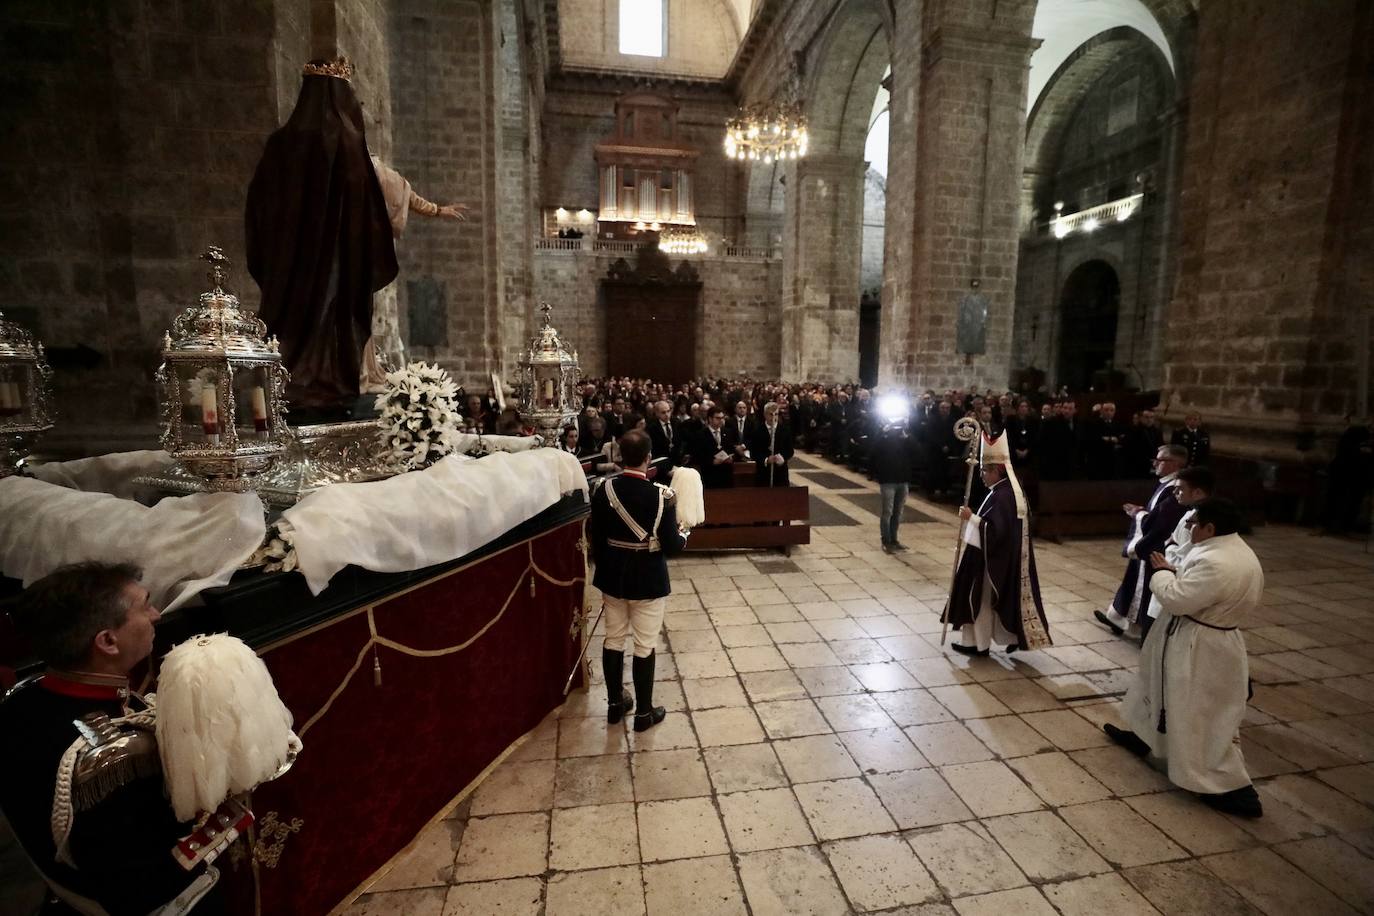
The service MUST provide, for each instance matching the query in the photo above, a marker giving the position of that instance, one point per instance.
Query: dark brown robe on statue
(319, 242)
(998, 561)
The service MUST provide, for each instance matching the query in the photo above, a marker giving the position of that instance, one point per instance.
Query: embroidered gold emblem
(272, 836)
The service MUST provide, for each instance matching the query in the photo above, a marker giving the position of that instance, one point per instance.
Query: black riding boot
(647, 715)
(613, 666)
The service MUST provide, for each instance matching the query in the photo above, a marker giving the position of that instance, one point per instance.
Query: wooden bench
(746, 516)
(1087, 508)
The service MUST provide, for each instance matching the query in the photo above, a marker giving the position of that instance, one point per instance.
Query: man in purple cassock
(1151, 526)
(996, 593)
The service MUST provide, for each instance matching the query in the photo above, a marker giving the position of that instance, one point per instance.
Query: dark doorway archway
(1088, 308)
(870, 318)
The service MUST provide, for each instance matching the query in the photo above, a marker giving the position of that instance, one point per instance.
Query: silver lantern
(548, 389)
(221, 384)
(25, 402)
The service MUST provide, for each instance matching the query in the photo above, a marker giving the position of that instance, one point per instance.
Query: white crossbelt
(646, 540)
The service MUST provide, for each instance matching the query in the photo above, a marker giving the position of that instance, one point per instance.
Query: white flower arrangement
(277, 553)
(419, 415)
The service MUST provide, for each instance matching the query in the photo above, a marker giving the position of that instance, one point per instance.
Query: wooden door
(652, 312)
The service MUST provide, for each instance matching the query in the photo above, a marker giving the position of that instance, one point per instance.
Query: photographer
(892, 450)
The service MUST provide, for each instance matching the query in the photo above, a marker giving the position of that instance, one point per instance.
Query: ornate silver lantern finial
(549, 373)
(25, 399)
(221, 384)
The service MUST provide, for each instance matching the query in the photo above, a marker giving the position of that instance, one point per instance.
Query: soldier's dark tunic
(634, 575)
(122, 845)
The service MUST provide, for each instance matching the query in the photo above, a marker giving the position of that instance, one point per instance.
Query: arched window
(643, 27)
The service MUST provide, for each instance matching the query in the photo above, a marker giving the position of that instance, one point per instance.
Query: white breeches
(643, 618)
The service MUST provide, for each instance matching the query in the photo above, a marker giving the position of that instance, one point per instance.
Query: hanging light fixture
(675, 240)
(772, 132)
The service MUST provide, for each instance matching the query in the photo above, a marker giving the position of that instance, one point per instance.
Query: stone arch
(851, 55)
(1054, 110)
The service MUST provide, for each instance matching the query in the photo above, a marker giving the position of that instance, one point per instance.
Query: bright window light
(641, 27)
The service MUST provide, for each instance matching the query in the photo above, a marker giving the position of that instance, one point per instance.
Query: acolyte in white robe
(1189, 696)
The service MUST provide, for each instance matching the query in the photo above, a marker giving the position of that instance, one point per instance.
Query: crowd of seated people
(1049, 439)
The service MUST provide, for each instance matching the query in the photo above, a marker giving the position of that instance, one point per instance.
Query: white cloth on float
(113, 474)
(421, 518)
(1194, 676)
(1175, 549)
(465, 442)
(185, 544)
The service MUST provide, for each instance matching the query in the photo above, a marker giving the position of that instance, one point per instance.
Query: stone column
(899, 224)
(963, 218)
(1273, 224)
(822, 243)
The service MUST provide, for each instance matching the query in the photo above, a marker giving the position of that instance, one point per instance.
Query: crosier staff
(965, 430)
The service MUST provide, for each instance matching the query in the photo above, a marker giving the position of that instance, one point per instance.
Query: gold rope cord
(376, 640)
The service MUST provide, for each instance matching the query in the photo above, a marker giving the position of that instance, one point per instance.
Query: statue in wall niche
(320, 226)
(971, 332)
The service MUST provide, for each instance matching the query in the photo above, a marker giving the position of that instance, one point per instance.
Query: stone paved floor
(822, 754)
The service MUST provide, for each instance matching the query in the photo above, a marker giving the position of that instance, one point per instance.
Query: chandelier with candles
(681, 240)
(769, 132)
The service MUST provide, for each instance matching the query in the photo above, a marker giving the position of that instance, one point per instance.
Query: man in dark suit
(633, 530)
(838, 413)
(739, 429)
(1151, 526)
(709, 454)
(1103, 446)
(1059, 444)
(665, 436)
(1143, 439)
(615, 418)
(771, 448)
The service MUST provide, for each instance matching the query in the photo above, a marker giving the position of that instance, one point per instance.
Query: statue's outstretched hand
(455, 211)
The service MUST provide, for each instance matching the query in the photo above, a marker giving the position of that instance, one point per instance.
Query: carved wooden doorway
(652, 313)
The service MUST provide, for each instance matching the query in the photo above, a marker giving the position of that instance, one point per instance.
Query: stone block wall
(445, 142)
(739, 318)
(702, 36)
(1265, 330)
(132, 133)
(967, 188)
(738, 325)
(570, 282)
(820, 284)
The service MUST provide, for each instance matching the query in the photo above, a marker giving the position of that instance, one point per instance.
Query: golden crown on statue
(339, 68)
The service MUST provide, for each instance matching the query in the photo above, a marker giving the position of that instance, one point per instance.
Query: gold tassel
(376, 668)
(531, 586)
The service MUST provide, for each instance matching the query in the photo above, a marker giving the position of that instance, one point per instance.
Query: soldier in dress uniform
(633, 531)
(81, 780)
(1195, 439)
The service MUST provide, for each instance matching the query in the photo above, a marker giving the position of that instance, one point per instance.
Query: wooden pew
(746, 516)
(1087, 508)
